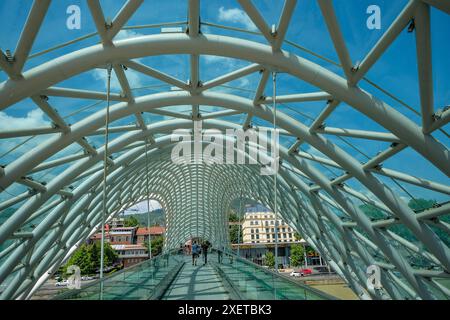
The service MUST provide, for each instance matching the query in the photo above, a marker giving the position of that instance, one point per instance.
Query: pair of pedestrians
(196, 250)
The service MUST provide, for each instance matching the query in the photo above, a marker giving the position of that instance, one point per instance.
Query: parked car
(301, 272)
(295, 274)
(320, 269)
(62, 283)
(86, 278)
(306, 271)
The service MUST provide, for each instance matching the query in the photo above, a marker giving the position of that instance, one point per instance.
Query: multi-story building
(123, 235)
(128, 241)
(258, 237)
(259, 227)
(142, 234)
(117, 222)
(97, 237)
(130, 254)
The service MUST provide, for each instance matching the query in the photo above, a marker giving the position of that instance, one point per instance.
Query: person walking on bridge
(205, 246)
(195, 252)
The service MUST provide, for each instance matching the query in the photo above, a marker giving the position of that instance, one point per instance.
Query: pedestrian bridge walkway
(171, 276)
(200, 282)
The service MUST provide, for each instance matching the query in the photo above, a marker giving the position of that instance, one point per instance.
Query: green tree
(131, 221)
(94, 251)
(82, 259)
(234, 233)
(234, 229)
(421, 204)
(110, 255)
(418, 204)
(157, 245)
(297, 255)
(372, 212)
(310, 250)
(233, 217)
(269, 259)
(87, 258)
(441, 233)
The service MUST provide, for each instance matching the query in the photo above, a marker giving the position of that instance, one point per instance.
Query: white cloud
(224, 63)
(244, 82)
(142, 207)
(214, 59)
(35, 118)
(134, 79)
(125, 34)
(236, 15)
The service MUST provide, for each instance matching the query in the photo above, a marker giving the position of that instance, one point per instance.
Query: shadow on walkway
(196, 283)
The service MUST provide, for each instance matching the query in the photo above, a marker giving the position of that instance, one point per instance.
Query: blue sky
(396, 71)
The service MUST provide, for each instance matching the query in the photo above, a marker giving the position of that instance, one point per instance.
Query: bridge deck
(198, 282)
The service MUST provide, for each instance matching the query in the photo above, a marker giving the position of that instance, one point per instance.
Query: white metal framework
(53, 218)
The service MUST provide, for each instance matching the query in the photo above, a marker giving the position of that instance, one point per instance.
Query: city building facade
(258, 236)
(128, 242)
(123, 235)
(261, 227)
(130, 254)
(142, 233)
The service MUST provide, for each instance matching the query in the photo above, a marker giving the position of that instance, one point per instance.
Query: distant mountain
(157, 217)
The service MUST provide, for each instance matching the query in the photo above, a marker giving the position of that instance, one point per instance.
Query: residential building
(97, 237)
(258, 236)
(128, 241)
(143, 233)
(123, 235)
(117, 223)
(259, 227)
(130, 254)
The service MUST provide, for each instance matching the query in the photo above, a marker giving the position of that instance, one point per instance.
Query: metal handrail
(115, 274)
(275, 274)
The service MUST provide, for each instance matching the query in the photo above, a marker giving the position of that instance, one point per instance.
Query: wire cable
(105, 174)
(148, 200)
(275, 174)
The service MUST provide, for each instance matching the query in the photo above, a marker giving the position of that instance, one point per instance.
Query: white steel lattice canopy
(52, 168)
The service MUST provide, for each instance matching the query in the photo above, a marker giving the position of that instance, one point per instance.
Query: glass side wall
(251, 281)
(149, 279)
(139, 282)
